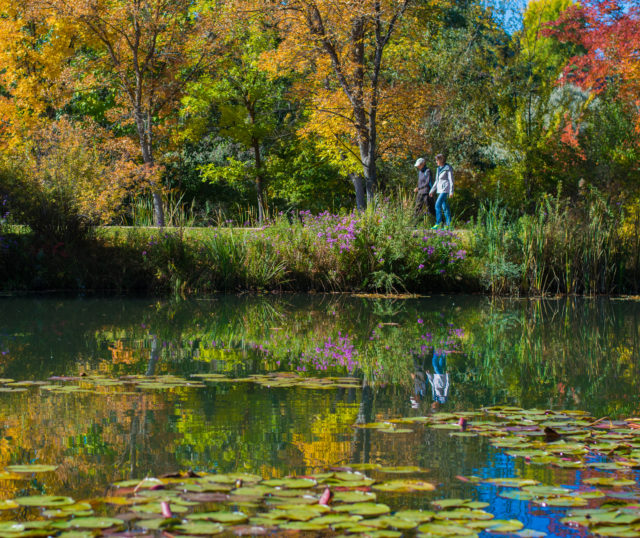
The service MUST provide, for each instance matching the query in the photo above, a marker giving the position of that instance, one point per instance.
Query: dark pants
(424, 204)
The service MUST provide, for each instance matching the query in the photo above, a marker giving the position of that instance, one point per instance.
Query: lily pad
(364, 509)
(405, 486)
(354, 496)
(95, 522)
(200, 527)
(293, 483)
(437, 529)
(609, 481)
(231, 518)
(45, 501)
(31, 468)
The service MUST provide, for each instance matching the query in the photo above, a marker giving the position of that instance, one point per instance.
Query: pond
(107, 390)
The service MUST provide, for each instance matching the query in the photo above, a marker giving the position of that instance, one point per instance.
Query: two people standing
(442, 186)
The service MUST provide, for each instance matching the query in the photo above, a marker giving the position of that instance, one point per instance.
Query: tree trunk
(145, 136)
(367, 155)
(259, 180)
(358, 185)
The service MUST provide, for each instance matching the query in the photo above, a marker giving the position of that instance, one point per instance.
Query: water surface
(550, 354)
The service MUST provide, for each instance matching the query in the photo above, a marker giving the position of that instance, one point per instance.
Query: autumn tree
(148, 50)
(609, 34)
(341, 48)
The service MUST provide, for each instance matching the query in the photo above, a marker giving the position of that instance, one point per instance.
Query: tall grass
(568, 247)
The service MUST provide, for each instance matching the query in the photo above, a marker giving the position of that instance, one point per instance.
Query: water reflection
(568, 352)
(458, 353)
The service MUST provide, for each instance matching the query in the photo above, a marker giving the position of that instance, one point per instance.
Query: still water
(381, 358)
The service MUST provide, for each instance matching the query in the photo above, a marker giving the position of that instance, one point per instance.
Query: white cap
(419, 162)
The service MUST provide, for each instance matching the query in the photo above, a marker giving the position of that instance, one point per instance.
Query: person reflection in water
(438, 379)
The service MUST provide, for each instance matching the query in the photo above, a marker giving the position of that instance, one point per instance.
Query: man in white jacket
(443, 186)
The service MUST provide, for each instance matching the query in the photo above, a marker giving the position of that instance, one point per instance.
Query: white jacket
(443, 181)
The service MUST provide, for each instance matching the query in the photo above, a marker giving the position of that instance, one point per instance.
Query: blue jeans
(442, 203)
(439, 362)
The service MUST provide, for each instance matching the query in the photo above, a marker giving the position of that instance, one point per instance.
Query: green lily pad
(517, 495)
(437, 529)
(450, 503)
(477, 515)
(45, 501)
(562, 501)
(547, 491)
(401, 469)
(304, 526)
(619, 531)
(200, 527)
(405, 486)
(364, 509)
(504, 526)
(95, 522)
(608, 481)
(252, 491)
(365, 466)
(354, 496)
(231, 518)
(293, 483)
(8, 504)
(332, 519)
(421, 516)
(512, 482)
(156, 508)
(31, 468)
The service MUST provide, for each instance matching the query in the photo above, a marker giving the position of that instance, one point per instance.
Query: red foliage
(609, 33)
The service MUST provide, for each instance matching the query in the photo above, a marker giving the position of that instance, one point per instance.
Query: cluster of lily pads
(91, 383)
(609, 450)
(559, 438)
(338, 501)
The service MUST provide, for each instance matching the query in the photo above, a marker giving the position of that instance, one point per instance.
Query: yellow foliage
(352, 78)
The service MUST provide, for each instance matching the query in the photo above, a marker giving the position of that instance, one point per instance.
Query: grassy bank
(562, 248)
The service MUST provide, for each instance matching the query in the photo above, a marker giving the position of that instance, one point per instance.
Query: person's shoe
(437, 226)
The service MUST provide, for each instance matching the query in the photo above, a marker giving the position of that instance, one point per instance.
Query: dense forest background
(193, 112)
